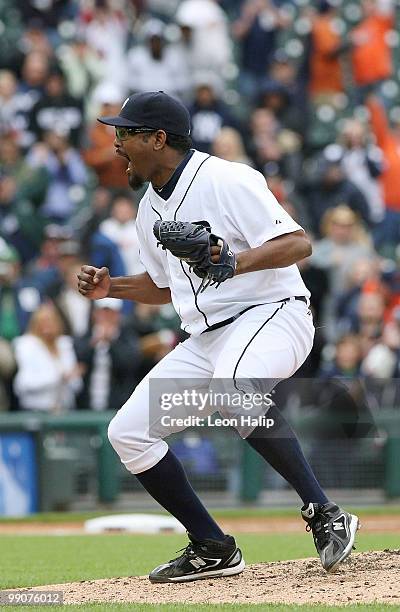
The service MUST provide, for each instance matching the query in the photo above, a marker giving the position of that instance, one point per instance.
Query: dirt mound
(365, 578)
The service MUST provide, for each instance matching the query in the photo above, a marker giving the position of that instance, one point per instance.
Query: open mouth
(122, 153)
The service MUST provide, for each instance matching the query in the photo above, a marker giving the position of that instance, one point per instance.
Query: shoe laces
(187, 551)
(320, 530)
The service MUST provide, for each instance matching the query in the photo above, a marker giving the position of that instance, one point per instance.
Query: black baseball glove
(192, 242)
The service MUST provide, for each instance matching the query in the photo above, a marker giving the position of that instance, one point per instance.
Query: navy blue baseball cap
(152, 109)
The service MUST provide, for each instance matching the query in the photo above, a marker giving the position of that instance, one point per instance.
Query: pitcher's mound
(365, 578)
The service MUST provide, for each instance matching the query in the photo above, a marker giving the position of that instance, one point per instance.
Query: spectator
(391, 338)
(50, 281)
(264, 143)
(382, 359)
(363, 276)
(93, 215)
(345, 242)
(104, 252)
(48, 376)
(43, 271)
(34, 74)
(387, 234)
(324, 67)
(57, 110)
(276, 98)
(157, 65)
(31, 183)
(347, 360)
(67, 172)
(273, 150)
(120, 227)
(284, 72)
(20, 224)
(69, 253)
(362, 163)
(11, 106)
(97, 248)
(369, 320)
(228, 144)
(73, 307)
(48, 14)
(105, 30)
(7, 369)
(111, 357)
(328, 188)
(206, 37)
(208, 114)
(370, 52)
(11, 34)
(257, 30)
(100, 153)
(158, 334)
(31, 89)
(36, 39)
(82, 66)
(17, 299)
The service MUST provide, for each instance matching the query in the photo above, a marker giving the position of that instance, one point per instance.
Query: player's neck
(163, 174)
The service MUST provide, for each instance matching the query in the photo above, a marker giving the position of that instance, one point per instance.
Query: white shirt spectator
(106, 34)
(125, 236)
(77, 310)
(210, 47)
(168, 70)
(40, 383)
(357, 162)
(354, 163)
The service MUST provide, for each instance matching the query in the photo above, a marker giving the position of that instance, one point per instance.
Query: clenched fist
(94, 283)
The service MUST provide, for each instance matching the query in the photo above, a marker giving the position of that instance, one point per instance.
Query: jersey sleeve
(252, 212)
(149, 258)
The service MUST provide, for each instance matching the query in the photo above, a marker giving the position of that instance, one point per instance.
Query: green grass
(242, 512)
(39, 559)
(35, 560)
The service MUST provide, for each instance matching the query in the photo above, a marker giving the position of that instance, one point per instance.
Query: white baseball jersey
(235, 200)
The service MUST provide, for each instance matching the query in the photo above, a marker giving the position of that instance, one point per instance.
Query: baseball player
(215, 242)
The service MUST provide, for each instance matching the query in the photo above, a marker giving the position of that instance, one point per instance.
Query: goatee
(135, 182)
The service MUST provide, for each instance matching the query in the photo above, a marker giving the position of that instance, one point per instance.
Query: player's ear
(159, 140)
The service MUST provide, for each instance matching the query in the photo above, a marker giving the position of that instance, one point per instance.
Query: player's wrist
(240, 263)
(113, 288)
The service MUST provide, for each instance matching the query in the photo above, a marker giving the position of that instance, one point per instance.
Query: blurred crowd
(305, 92)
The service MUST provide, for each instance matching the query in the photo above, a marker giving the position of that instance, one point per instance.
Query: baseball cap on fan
(152, 109)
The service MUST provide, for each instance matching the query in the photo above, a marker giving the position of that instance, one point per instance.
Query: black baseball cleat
(200, 560)
(333, 530)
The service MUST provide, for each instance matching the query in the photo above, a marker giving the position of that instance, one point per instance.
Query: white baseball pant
(269, 342)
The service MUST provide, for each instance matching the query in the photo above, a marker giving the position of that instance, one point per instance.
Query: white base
(134, 523)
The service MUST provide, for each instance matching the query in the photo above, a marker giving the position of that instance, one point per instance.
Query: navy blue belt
(299, 298)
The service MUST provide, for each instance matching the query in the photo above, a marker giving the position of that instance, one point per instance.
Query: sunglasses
(123, 133)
